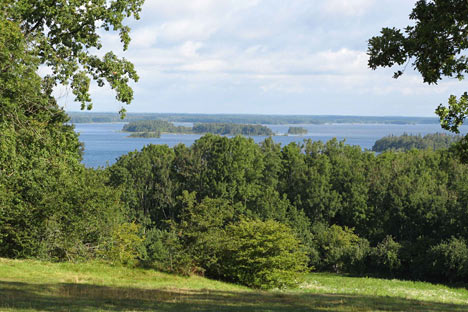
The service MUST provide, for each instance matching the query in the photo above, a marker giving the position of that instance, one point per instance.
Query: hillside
(39, 286)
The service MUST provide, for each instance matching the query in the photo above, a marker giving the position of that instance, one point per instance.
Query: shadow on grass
(82, 297)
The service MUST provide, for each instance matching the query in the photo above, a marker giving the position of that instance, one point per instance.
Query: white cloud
(144, 37)
(347, 7)
(195, 7)
(214, 53)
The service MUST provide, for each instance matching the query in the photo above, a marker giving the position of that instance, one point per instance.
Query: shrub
(450, 260)
(126, 245)
(262, 254)
(164, 252)
(385, 256)
(201, 232)
(338, 248)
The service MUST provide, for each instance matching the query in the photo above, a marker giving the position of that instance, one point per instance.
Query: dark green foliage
(407, 142)
(339, 249)
(262, 255)
(450, 259)
(201, 232)
(145, 135)
(232, 129)
(51, 207)
(154, 188)
(200, 128)
(419, 198)
(164, 252)
(385, 257)
(460, 149)
(160, 126)
(297, 130)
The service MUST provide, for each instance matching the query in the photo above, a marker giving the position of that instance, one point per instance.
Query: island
(297, 131)
(407, 142)
(146, 135)
(154, 128)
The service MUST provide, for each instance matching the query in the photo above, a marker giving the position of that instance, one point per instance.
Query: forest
(333, 206)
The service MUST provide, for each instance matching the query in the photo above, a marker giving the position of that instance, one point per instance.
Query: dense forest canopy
(407, 142)
(394, 214)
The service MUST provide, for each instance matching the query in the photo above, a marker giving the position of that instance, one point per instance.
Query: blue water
(104, 142)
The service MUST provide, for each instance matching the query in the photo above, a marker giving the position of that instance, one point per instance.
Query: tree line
(297, 130)
(148, 127)
(407, 142)
(394, 214)
(155, 126)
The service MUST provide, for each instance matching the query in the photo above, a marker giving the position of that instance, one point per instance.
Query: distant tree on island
(161, 126)
(145, 135)
(407, 142)
(297, 130)
(232, 129)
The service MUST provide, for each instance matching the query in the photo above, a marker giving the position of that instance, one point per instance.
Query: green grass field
(39, 286)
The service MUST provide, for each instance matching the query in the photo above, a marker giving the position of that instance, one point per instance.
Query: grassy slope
(38, 286)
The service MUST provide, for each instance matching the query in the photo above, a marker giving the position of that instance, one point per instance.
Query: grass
(38, 286)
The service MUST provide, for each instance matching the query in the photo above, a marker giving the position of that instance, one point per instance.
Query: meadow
(31, 285)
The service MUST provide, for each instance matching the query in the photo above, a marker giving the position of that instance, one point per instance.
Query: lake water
(104, 142)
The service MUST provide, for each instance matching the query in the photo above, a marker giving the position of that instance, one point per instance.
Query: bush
(126, 245)
(339, 249)
(201, 232)
(385, 256)
(450, 260)
(164, 252)
(262, 254)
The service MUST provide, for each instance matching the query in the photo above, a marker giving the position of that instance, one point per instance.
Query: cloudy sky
(267, 57)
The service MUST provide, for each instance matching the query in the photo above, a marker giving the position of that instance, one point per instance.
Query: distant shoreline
(91, 117)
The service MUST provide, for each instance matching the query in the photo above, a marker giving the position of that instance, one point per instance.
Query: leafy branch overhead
(65, 34)
(435, 46)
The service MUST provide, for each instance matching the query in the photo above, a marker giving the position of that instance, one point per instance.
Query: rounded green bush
(262, 254)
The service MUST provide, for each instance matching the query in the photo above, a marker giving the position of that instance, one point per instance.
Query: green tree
(50, 205)
(435, 45)
(151, 199)
(201, 231)
(63, 35)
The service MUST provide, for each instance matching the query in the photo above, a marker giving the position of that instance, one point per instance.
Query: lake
(104, 142)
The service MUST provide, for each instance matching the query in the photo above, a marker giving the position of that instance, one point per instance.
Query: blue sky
(266, 57)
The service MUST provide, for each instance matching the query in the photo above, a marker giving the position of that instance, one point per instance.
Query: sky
(266, 57)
